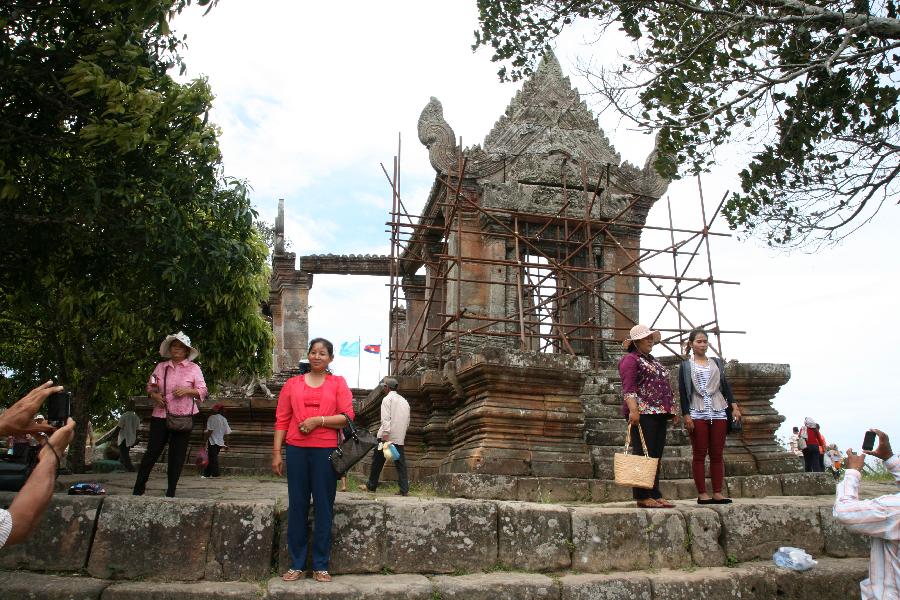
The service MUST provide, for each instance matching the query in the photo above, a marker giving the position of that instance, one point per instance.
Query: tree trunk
(80, 403)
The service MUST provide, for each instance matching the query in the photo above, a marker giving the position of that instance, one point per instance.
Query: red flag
(373, 348)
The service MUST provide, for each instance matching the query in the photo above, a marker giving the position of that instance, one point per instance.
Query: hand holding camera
(59, 441)
(19, 418)
(884, 450)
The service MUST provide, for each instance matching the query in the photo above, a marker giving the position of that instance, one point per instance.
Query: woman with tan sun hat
(647, 403)
(176, 386)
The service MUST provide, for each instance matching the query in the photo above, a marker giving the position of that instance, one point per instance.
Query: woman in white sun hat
(648, 402)
(176, 386)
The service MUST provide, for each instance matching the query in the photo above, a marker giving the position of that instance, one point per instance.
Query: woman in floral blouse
(647, 402)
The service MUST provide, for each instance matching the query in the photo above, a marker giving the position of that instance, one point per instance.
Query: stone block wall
(198, 540)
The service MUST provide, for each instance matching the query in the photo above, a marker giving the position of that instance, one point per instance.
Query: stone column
(620, 290)
(754, 385)
(471, 285)
(289, 302)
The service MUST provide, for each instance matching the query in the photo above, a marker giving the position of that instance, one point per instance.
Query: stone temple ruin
(510, 294)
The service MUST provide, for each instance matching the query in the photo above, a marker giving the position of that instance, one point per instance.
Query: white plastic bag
(797, 559)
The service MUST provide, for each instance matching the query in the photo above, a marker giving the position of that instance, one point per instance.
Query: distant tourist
(175, 386)
(811, 444)
(878, 518)
(129, 423)
(647, 403)
(214, 438)
(307, 418)
(794, 442)
(706, 400)
(394, 422)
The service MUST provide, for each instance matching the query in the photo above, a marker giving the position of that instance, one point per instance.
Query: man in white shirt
(394, 423)
(216, 429)
(794, 442)
(129, 423)
(878, 518)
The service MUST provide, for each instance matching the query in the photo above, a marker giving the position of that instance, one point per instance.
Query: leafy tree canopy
(118, 224)
(813, 86)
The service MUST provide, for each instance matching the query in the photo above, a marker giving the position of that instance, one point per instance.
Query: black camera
(58, 408)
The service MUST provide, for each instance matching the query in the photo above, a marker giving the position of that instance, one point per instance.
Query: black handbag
(355, 445)
(14, 472)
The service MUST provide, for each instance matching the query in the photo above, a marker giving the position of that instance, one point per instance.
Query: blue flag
(349, 348)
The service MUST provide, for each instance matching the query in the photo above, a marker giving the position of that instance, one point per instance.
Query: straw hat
(639, 332)
(181, 337)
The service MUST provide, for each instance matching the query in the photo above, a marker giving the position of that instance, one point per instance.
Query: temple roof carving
(545, 124)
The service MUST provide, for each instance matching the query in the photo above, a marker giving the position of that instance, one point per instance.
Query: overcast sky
(311, 97)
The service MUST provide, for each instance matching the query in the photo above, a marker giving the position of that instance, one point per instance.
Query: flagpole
(379, 360)
(358, 358)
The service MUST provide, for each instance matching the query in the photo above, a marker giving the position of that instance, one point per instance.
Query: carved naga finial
(437, 135)
(652, 183)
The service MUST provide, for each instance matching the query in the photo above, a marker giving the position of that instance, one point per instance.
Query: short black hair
(328, 345)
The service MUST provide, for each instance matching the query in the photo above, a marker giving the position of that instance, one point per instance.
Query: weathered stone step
(831, 579)
(190, 539)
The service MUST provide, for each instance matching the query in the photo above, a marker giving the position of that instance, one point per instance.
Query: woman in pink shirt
(308, 415)
(176, 386)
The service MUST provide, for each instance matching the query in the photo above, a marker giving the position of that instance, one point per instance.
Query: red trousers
(709, 438)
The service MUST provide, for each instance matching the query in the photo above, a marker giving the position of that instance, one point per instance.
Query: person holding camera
(706, 401)
(175, 386)
(878, 518)
(17, 522)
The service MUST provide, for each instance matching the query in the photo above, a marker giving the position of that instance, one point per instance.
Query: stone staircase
(129, 548)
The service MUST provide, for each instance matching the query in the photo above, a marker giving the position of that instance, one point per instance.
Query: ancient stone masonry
(510, 295)
(512, 290)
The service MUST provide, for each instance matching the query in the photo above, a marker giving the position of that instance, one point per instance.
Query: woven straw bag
(632, 470)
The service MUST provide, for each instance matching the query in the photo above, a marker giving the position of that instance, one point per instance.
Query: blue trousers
(309, 473)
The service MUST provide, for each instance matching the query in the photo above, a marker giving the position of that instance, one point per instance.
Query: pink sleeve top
(185, 374)
(297, 402)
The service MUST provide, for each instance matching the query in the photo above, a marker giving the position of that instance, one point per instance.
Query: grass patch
(877, 473)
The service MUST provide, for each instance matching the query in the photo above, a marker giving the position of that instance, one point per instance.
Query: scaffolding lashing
(560, 293)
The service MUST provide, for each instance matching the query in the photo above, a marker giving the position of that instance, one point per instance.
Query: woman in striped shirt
(708, 407)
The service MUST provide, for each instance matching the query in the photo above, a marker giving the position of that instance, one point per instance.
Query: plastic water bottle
(796, 559)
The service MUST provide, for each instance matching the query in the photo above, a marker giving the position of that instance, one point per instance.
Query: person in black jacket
(709, 410)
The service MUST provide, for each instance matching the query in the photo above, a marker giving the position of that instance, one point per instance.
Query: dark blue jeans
(309, 473)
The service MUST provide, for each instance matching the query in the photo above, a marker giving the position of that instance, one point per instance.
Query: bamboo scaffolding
(552, 271)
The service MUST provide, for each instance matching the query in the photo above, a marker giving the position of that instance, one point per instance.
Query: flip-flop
(664, 503)
(321, 576)
(292, 575)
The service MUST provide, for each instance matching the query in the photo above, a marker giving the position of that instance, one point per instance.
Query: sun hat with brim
(181, 337)
(639, 332)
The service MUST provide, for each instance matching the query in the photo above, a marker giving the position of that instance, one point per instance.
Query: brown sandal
(292, 575)
(321, 576)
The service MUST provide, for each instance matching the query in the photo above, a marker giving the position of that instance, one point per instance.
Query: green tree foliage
(813, 86)
(117, 224)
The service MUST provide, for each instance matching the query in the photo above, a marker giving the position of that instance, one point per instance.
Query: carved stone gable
(548, 102)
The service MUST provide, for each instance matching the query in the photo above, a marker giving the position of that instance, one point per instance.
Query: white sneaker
(204, 477)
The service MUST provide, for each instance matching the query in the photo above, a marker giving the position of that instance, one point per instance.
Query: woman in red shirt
(308, 415)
